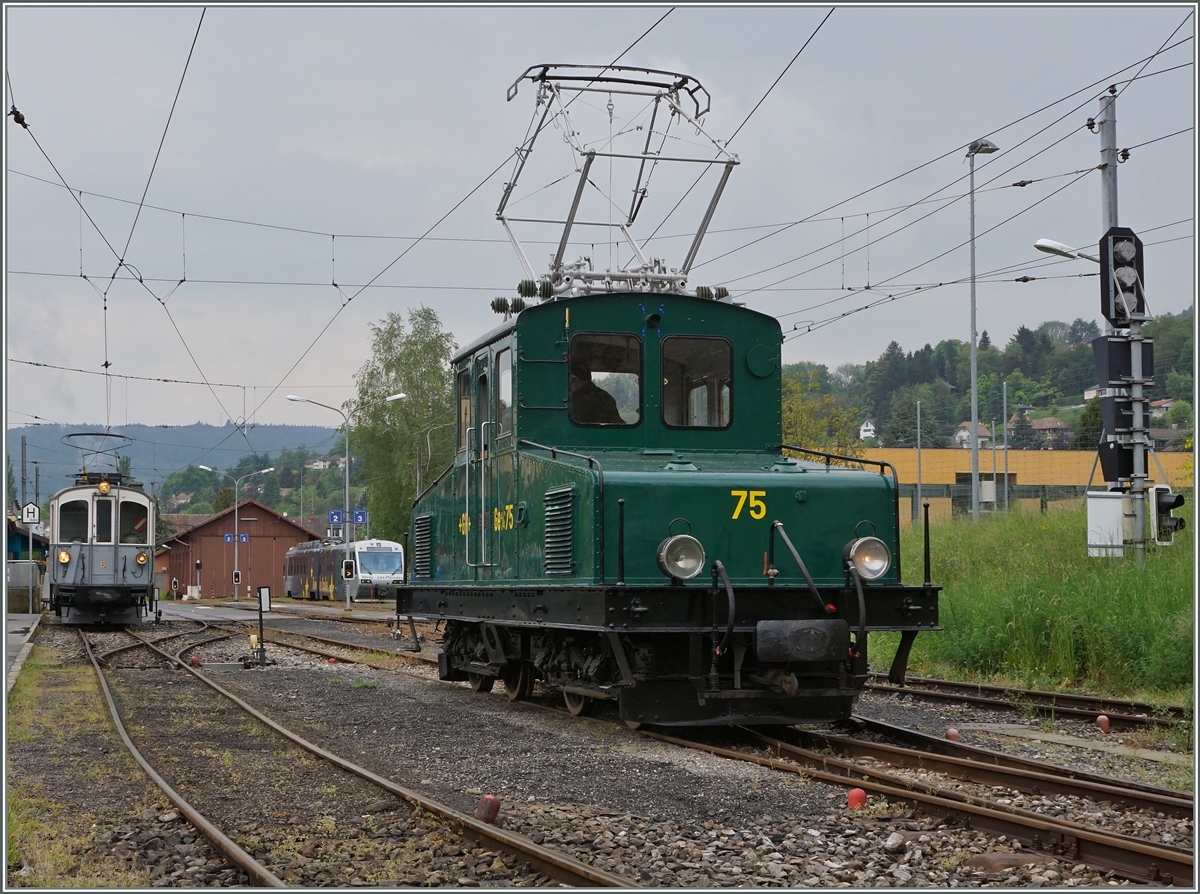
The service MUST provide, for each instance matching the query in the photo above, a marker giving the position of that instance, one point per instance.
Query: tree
(901, 428)
(1081, 331)
(125, 468)
(814, 420)
(985, 340)
(394, 438)
(224, 499)
(1057, 333)
(1087, 432)
(1180, 415)
(1024, 436)
(12, 482)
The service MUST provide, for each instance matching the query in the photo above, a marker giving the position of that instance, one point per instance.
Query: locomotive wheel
(518, 680)
(577, 704)
(481, 682)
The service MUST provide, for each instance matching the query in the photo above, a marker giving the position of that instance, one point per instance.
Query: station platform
(19, 630)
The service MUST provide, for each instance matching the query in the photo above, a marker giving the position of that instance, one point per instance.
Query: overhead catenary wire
(434, 226)
(913, 170)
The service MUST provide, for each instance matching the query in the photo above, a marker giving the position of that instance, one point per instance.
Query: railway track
(1121, 714)
(1130, 857)
(948, 780)
(328, 773)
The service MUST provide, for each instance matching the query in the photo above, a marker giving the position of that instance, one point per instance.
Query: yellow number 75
(758, 509)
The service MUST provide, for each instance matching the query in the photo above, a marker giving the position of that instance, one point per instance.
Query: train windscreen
(73, 521)
(379, 562)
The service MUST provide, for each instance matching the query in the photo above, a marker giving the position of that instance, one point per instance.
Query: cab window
(464, 408)
(104, 521)
(504, 392)
(696, 375)
(605, 379)
(134, 522)
(73, 521)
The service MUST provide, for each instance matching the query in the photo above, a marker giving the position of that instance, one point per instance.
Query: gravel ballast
(630, 805)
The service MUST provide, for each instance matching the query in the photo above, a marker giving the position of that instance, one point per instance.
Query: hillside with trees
(1047, 370)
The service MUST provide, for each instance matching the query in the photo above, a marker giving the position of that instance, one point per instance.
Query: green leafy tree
(1180, 415)
(815, 420)
(394, 439)
(1181, 385)
(1089, 428)
(125, 468)
(1082, 332)
(901, 428)
(224, 499)
(985, 341)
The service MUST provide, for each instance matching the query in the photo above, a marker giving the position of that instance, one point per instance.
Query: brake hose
(720, 569)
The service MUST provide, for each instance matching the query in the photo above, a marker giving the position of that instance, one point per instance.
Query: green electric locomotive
(623, 522)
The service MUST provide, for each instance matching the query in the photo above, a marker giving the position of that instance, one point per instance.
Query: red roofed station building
(265, 537)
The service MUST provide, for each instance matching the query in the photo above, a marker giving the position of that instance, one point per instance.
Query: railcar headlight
(63, 557)
(681, 556)
(870, 557)
(103, 487)
(142, 558)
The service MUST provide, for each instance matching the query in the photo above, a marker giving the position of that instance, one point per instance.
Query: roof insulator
(527, 288)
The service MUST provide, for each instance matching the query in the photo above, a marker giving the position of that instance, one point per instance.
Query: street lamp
(346, 486)
(979, 147)
(237, 574)
(1057, 248)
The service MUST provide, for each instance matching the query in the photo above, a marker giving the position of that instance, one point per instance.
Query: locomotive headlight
(142, 558)
(103, 487)
(870, 557)
(63, 557)
(681, 556)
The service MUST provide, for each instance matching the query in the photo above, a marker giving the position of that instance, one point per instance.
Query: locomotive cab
(616, 508)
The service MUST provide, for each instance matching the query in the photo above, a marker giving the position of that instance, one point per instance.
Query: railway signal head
(237, 577)
(348, 569)
(1162, 505)
(1122, 279)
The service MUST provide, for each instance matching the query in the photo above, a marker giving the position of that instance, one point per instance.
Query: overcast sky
(376, 122)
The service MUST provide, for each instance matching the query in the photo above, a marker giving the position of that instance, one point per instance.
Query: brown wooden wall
(260, 560)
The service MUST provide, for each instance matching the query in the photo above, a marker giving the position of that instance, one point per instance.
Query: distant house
(962, 437)
(1091, 393)
(1158, 408)
(1055, 434)
(179, 500)
(318, 465)
(866, 430)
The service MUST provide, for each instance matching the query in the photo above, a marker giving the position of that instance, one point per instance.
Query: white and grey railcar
(102, 551)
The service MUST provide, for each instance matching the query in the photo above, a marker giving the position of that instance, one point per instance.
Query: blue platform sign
(359, 516)
(335, 516)
(229, 538)
(243, 538)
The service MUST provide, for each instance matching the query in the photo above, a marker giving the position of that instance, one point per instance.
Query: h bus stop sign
(30, 514)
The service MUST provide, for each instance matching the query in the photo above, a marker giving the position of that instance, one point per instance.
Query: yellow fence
(1026, 469)
(1032, 467)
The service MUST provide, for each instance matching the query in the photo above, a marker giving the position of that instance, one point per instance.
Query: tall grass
(1023, 602)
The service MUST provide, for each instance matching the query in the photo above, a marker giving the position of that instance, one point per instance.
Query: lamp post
(979, 147)
(237, 575)
(346, 485)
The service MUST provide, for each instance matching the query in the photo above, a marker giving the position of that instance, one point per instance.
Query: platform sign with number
(359, 516)
(335, 516)
(229, 538)
(243, 538)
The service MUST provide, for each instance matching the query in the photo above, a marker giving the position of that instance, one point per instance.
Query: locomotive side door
(481, 476)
